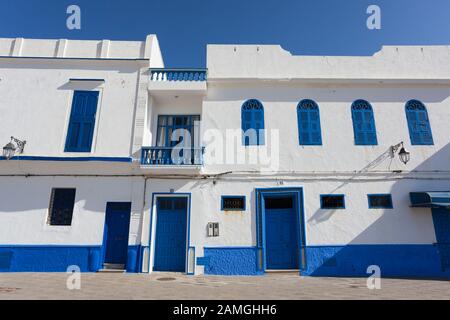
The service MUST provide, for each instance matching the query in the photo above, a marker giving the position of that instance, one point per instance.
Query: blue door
(441, 221)
(281, 233)
(170, 241)
(117, 225)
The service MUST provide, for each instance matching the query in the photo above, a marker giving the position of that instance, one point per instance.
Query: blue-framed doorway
(189, 268)
(294, 193)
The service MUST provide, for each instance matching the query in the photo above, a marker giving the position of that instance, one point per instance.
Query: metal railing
(163, 74)
(172, 156)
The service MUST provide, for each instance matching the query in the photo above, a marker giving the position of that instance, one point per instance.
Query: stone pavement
(178, 286)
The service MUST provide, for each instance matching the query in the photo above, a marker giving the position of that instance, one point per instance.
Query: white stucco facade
(37, 83)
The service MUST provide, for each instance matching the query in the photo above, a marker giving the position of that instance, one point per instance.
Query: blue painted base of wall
(410, 261)
(51, 258)
(413, 261)
(231, 261)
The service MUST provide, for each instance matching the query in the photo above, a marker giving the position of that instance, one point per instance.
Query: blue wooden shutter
(363, 123)
(309, 129)
(82, 121)
(418, 123)
(252, 116)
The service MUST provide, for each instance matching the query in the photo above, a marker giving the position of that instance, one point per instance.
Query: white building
(321, 188)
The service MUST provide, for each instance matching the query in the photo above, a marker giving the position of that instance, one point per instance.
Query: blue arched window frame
(418, 123)
(308, 119)
(252, 118)
(364, 128)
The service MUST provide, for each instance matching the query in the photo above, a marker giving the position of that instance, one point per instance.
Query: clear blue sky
(184, 27)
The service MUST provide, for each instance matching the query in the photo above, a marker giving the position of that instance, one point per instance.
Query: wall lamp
(13, 147)
(403, 155)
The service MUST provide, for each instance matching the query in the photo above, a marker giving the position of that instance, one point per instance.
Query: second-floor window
(309, 131)
(82, 121)
(174, 130)
(252, 115)
(418, 123)
(363, 123)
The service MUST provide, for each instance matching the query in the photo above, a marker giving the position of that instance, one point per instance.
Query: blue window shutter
(418, 123)
(252, 117)
(309, 129)
(82, 121)
(363, 123)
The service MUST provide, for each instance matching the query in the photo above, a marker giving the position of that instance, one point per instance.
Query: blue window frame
(233, 203)
(252, 115)
(308, 115)
(167, 124)
(363, 123)
(82, 121)
(332, 201)
(418, 123)
(380, 201)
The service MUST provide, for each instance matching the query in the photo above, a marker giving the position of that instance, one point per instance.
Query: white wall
(25, 204)
(273, 62)
(36, 97)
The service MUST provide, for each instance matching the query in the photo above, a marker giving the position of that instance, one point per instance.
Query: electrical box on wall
(213, 229)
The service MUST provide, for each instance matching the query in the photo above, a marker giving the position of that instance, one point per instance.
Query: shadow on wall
(396, 257)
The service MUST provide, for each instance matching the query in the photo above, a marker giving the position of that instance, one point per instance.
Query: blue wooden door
(441, 221)
(170, 241)
(281, 235)
(117, 225)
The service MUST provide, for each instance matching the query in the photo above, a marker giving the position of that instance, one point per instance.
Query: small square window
(334, 201)
(380, 201)
(233, 203)
(62, 202)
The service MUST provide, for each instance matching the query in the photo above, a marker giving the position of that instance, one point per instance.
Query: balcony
(182, 81)
(176, 157)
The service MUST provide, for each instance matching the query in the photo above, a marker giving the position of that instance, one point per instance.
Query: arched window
(418, 123)
(363, 123)
(309, 132)
(252, 123)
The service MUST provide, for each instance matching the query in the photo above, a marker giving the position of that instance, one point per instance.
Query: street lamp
(15, 145)
(403, 155)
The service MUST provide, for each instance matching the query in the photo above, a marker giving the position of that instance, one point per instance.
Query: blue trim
(179, 74)
(430, 199)
(390, 206)
(203, 261)
(297, 192)
(364, 128)
(394, 260)
(154, 195)
(228, 197)
(68, 159)
(134, 258)
(49, 258)
(309, 127)
(332, 195)
(251, 110)
(418, 123)
(57, 258)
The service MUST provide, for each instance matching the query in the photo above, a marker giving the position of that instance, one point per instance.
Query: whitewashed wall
(25, 203)
(222, 111)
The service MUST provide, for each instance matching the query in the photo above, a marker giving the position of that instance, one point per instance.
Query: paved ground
(178, 286)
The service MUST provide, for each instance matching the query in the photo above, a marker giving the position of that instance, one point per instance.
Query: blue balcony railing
(172, 156)
(162, 74)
